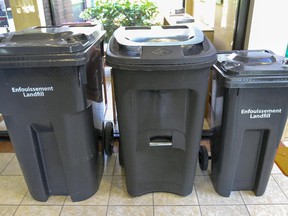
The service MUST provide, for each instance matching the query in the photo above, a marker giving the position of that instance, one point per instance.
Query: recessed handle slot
(158, 141)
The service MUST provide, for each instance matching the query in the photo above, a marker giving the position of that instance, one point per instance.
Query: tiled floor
(112, 198)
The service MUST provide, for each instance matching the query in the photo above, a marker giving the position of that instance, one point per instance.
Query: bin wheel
(108, 138)
(203, 158)
(121, 162)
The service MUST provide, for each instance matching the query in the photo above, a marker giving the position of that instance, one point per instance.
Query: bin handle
(160, 141)
(194, 36)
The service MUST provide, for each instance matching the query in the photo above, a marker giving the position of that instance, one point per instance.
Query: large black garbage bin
(44, 103)
(249, 111)
(161, 77)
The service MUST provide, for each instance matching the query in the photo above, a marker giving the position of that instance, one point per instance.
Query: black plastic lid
(252, 68)
(58, 45)
(149, 47)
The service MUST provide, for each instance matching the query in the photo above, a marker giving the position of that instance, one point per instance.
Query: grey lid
(159, 45)
(55, 39)
(49, 46)
(252, 68)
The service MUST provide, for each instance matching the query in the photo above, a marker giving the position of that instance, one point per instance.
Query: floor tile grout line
(7, 164)
(64, 203)
(111, 184)
(229, 204)
(45, 205)
(24, 197)
(80, 205)
(241, 195)
(132, 205)
(198, 201)
(153, 203)
(16, 210)
(21, 201)
(12, 175)
(9, 204)
(175, 205)
(272, 175)
(245, 204)
(62, 207)
(115, 163)
(268, 204)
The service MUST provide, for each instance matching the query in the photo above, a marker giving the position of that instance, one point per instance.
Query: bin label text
(32, 91)
(260, 113)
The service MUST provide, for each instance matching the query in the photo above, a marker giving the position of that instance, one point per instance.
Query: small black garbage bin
(249, 110)
(44, 103)
(160, 75)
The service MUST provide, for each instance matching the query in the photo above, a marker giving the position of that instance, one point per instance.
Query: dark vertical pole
(240, 24)
(52, 12)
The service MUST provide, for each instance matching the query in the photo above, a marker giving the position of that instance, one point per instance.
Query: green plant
(115, 13)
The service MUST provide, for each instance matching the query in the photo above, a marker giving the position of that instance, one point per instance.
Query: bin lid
(156, 47)
(55, 43)
(252, 69)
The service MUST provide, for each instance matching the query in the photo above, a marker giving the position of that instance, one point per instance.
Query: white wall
(204, 11)
(166, 6)
(269, 26)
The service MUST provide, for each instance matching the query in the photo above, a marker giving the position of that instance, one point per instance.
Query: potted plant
(115, 13)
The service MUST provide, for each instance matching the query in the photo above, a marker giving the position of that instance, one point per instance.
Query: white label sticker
(260, 113)
(32, 91)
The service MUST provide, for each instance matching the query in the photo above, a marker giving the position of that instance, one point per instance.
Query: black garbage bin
(160, 76)
(44, 103)
(249, 110)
